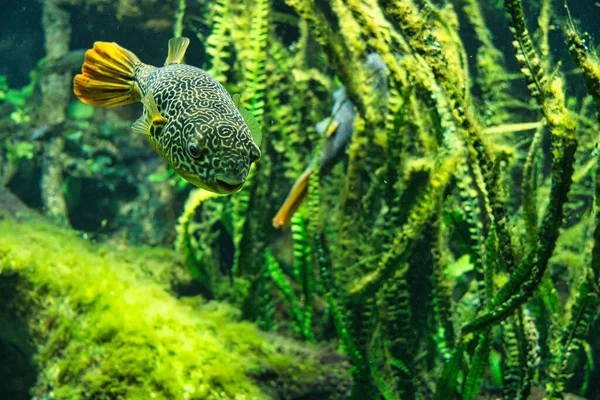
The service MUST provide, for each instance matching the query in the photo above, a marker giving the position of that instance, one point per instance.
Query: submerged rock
(105, 324)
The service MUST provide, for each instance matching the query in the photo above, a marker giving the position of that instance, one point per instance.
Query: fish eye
(194, 150)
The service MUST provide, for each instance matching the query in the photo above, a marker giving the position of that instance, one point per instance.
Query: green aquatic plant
(197, 262)
(571, 333)
(300, 305)
(254, 59)
(248, 244)
(218, 41)
(179, 15)
(438, 252)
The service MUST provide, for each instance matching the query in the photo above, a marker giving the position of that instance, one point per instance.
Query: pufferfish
(188, 116)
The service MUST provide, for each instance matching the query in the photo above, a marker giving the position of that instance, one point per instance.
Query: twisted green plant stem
(184, 239)
(409, 233)
(219, 40)
(446, 385)
(334, 46)
(544, 24)
(587, 61)
(179, 15)
(265, 305)
(512, 363)
(570, 339)
(255, 60)
(562, 125)
(283, 284)
(525, 52)
(303, 272)
(442, 296)
(420, 35)
(528, 187)
(478, 365)
(360, 368)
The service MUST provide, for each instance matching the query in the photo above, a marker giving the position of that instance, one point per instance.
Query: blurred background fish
(338, 129)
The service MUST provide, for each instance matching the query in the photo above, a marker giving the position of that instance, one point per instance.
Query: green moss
(107, 327)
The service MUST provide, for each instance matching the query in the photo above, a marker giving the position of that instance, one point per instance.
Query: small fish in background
(189, 118)
(338, 129)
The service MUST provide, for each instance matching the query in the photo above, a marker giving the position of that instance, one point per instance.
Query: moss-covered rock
(106, 325)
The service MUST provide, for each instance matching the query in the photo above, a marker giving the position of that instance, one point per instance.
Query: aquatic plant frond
(425, 249)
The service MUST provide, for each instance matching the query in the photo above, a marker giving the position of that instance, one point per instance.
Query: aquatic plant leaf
(447, 383)
(283, 284)
(459, 267)
(303, 272)
(254, 57)
(478, 365)
(253, 125)
(218, 42)
(184, 240)
(511, 363)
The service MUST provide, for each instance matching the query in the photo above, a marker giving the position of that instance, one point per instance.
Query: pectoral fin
(249, 119)
(141, 125)
(177, 48)
(151, 116)
(152, 108)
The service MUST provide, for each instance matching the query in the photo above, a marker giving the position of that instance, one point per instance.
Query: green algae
(107, 326)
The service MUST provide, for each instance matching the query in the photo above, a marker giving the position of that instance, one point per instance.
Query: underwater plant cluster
(423, 221)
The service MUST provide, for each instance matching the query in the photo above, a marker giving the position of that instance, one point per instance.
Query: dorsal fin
(177, 48)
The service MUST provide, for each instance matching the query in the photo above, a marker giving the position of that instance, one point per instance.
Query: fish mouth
(222, 185)
(230, 186)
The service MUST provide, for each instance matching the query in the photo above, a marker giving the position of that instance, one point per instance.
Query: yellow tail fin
(295, 198)
(107, 77)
